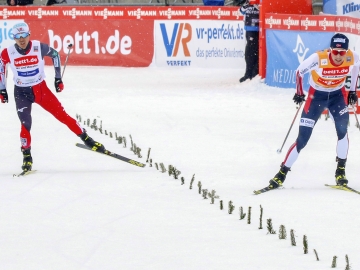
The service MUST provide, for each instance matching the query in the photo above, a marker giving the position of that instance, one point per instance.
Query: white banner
(194, 43)
(348, 8)
(342, 7)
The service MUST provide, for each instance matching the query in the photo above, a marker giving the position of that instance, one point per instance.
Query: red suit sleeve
(5, 59)
(299, 89)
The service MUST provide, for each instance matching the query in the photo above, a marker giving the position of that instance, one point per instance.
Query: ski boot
(244, 78)
(89, 142)
(340, 177)
(27, 159)
(279, 178)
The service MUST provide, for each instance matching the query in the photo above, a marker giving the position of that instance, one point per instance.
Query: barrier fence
(135, 36)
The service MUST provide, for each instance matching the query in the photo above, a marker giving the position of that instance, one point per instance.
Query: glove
(59, 86)
(4, 96)
(352, 98)
(298, 99)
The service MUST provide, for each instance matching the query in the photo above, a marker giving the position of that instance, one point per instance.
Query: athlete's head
(21, 33)
(339, 46)
(339, 41)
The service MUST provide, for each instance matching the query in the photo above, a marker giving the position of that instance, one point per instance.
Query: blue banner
(342, 7)
(329, 6)
(286, 50)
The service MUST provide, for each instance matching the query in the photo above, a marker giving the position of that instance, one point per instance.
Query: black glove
(298, 99)
(352, 98)
(59, 86)
(4, 96)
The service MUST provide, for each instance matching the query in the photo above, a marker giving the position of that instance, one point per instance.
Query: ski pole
(67, 57)
(292, 123)
(357, 120)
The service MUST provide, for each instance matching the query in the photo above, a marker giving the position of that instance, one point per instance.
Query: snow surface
(82, 210)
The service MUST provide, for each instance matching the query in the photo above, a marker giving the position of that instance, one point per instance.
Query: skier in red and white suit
(328, 71)
(26, 60)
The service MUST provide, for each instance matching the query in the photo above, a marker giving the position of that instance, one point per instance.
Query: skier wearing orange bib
(328, 71)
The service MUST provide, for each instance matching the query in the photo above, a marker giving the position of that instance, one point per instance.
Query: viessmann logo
(43, 12)
(271, 21)
(26, 61)
(180, 36)
(5, 13)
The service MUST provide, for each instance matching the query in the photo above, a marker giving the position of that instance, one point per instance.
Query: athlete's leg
(339, 111)
(46, 99)
(314, 106)
(23, 99)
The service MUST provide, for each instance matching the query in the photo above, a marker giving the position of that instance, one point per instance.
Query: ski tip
(23, 173)
(137, 163)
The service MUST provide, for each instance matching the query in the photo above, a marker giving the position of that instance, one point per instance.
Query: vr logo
(172, 47)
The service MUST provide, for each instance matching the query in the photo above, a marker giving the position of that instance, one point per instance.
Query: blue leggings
(334, 102)
(316, 103)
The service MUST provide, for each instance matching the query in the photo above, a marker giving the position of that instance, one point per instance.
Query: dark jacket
(20, 2)
(251, 13)
(54, 2)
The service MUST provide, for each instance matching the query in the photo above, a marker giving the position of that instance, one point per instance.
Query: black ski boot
(340, 177)
(243, 79)
(279, 178)
(27, 159)
(89, 142)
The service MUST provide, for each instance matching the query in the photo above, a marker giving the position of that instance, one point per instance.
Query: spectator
(20, 2)
(251, 13)
(53, 2)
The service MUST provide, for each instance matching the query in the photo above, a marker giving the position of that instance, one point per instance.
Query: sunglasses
(336, 52)
(21, 35)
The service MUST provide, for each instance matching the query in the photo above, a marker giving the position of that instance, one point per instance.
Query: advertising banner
(286, 50)
(6, 38)
(202, 43)
(110, 43)
(124, 35)
(100, 13)
(292, 38)
(342, 7)
(124, 43)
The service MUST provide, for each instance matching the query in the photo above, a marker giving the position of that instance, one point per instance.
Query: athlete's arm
(46, 50)
(312, 62)
(355, 72)
(4, 59)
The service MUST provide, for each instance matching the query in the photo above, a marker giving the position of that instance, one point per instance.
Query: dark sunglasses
(336, 52)
(21, 35)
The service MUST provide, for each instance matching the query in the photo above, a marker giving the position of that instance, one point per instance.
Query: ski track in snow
(82, 210)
